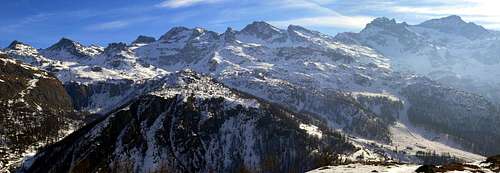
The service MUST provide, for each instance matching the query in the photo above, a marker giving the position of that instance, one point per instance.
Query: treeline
(468, 119)
(433, 158)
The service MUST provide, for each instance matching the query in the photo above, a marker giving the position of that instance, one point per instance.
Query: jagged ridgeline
(193, 124)
(35, 111)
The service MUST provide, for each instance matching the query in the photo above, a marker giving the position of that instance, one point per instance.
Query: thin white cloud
(184, 3)
(348, 22)
(324, 16)
(27, 21)
(118, 24)
(483, 12)
(109, 25)
(92, 13)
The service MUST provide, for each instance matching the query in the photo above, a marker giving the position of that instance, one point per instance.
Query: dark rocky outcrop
(492, 164)
(15, 44)
(82, 94)
(141, 39)
(35, 111)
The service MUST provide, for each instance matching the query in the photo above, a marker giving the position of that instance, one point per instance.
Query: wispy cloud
(323, 16)
(122, 18)
(118, 24)
(109, 25)
(185, 3)
(93, 13)
(484, 12)
(458, 7)
(348, 22)
(26, 21)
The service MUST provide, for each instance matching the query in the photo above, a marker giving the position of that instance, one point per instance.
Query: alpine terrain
(259, 99)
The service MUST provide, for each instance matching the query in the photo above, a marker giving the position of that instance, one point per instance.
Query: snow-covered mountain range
(367, 86)
(449, 50)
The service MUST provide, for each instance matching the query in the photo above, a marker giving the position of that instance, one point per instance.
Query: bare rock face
(141, 39)
(35, 111)
(82, 94)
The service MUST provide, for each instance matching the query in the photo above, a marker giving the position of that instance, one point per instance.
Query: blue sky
(42, 23)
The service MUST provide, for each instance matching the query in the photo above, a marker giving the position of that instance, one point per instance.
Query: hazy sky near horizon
(42, 23)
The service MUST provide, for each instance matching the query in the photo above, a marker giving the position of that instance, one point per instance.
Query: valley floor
(406, 138)
(360, 168)
(409, 139)
(357, 168)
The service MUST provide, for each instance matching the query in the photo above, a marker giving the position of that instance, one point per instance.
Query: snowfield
(405, 168)
(360, 168)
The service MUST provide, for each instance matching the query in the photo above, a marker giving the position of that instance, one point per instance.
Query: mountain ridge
(463, 57)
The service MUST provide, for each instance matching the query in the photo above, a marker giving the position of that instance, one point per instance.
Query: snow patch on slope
(311, 130)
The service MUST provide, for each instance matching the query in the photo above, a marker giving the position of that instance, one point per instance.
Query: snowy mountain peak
(198, 33)
(64, 43)
(16, 45)
(300, 29)
(449, 20)
(300, 33)
(261, 30)
(66, 49)
(384, 23)
(455, 25)
(259, 25)
(25, 53)
(141, 39)
(388, 26)
(296, 28)
(454, 18)
(175, 33)
(199, 30)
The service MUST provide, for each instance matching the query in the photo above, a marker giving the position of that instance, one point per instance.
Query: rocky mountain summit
(144, 40)
(455, 25)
